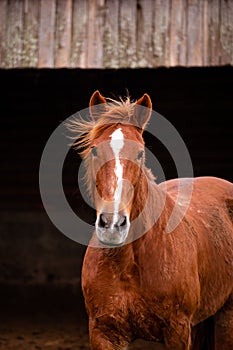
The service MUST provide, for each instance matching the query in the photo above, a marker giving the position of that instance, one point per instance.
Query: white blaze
(117, 143)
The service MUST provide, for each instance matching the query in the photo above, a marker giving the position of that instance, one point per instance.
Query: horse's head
(115, 158)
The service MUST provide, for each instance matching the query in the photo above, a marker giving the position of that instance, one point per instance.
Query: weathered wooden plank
(115, 33)
(213, 33)
(194, 33)
(144, 33)
(111, 34)
(205, 35)
(226, 30)
(161, 33)
(30, 34)
(3, 25)
(95, 33)
(46, 33)
(127, 35)
(177, 33)
(13, 54)
(63, 33)
(79, 34)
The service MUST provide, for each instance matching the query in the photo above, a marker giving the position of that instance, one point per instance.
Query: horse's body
(162, 285)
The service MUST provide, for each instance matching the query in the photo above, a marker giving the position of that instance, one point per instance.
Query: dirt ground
(44, 333)
(49, 326)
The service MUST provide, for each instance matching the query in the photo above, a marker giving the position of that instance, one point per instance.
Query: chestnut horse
(157, 286)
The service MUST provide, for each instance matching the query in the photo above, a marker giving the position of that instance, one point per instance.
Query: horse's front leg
(177, 334)
(104, 338)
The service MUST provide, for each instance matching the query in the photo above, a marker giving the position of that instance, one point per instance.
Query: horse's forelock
(86, 131)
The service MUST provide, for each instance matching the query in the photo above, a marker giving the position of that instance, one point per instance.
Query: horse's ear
(97, 99)
(143, 109)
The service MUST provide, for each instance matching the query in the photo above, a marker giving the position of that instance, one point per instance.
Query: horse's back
(208, 184)
(207, 205)
(202, 193)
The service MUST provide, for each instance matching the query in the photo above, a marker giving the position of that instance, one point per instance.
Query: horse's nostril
(108, 220)
(103, 222)
(122, 221)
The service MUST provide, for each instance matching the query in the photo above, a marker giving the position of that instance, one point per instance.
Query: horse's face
(117, 156)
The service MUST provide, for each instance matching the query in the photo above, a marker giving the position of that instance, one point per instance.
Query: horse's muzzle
(112, 228)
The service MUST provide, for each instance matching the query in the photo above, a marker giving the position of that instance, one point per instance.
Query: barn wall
(115, 33)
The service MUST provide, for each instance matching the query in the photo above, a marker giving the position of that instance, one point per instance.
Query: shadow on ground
(47, 319)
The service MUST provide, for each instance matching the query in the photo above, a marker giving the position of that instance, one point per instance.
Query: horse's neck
(155, 206)
(121, 261)
(152, 206)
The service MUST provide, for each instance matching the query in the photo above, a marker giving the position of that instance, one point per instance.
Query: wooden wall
(115, 33)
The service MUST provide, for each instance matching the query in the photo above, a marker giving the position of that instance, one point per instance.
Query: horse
(159, 286)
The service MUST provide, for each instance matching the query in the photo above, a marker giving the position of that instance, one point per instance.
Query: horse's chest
(128, 310)
(119, 304)
(143, 319)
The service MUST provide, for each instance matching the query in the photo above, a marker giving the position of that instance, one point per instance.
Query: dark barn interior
(40, 290)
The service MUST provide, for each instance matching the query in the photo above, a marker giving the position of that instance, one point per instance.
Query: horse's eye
(140, 155)
(94, 151)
